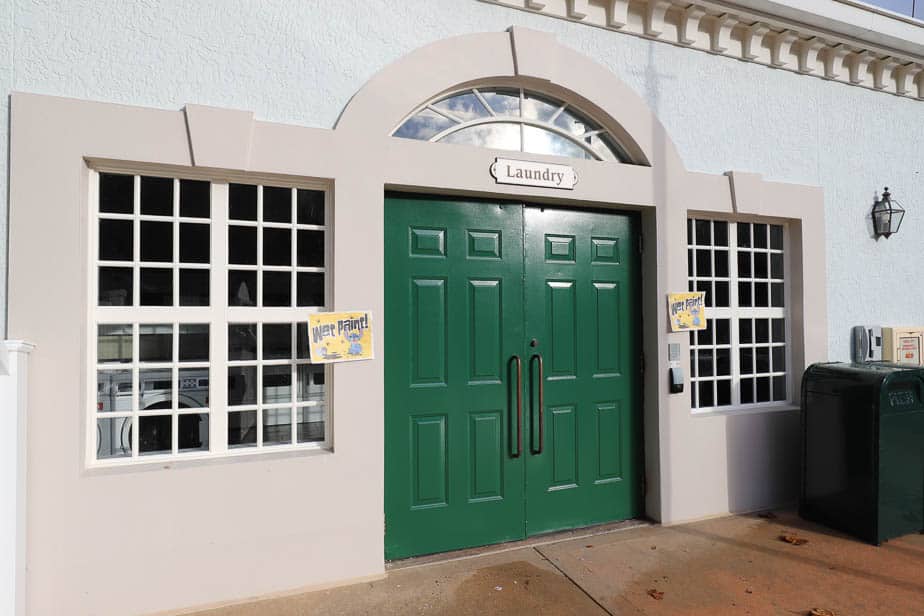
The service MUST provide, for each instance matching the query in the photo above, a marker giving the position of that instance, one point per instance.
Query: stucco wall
(288, 62)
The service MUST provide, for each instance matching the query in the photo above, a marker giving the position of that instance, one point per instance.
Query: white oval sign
(530, 173)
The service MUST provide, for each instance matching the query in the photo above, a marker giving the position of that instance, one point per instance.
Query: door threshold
(509, 546)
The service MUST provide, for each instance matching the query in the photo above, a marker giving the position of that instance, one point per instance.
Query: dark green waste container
(863, 449)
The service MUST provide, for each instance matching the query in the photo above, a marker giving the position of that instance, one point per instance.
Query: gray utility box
(863, 449)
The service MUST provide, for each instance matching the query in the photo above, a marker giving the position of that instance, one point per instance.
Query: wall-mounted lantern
(887, 215)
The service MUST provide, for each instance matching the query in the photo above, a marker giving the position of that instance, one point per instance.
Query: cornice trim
(746, 35)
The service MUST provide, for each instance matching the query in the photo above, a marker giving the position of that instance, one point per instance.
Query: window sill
(745, 410)
(168, 461)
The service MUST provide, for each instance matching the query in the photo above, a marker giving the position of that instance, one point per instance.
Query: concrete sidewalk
(732, 565)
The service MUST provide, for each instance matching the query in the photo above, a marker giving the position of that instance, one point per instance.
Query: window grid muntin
(609, 142)
(734, 315)
(217, 314)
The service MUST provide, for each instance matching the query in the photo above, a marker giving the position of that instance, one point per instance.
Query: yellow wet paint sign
(339, 336)
(687, 310)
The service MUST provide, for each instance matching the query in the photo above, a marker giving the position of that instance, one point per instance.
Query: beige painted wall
(208, 531)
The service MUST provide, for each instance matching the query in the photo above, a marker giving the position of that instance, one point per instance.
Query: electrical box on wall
(903, 345)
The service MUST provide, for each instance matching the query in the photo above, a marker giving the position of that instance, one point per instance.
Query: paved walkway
(734, 565)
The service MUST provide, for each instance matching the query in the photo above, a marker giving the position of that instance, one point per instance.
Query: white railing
(14, 357)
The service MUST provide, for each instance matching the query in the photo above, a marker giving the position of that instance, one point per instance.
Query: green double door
(511, 374)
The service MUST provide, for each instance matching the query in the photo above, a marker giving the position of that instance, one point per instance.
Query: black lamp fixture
(887, 215)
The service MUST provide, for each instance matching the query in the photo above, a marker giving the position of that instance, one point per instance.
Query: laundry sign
(530, 173)
(687, 311)
(339, 336)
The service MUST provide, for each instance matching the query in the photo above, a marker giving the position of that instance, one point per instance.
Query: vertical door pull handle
(538, 356)
(516, 358)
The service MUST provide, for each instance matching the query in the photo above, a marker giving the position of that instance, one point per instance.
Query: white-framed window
(742, 358)
(200, 293)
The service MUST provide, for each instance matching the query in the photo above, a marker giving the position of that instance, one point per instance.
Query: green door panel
(469, 285)
(580, 309)
(454, 318)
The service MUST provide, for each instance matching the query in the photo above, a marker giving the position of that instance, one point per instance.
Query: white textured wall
(299, 62)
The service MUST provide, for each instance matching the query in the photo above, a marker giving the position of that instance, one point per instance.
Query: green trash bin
(863, 449)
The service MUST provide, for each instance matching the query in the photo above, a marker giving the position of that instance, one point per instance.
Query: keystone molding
(716, 28)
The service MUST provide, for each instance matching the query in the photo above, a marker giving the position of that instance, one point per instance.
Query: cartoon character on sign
(695, 313)
(353, 338)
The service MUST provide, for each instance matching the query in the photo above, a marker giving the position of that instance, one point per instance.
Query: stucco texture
(300, 62)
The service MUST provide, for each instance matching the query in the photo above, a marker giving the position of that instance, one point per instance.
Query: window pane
(703, 237)
(744, 264)
(194, 243)
(538, 108)
(277, 289)
(195, 199)
(116, 240)
(424, 125)
(762, 357)
(762, 331)
(242, 245)
(744, 294)
(277, 246)
(706, 399)
(779, 330)
(720, 233)
(277, 204)
(156, 286)
(156, 388)
(574, 123)
(242, 288)
(277, 341)
(193, 432)
(779, 359)
(690, 259)
(114, 391)
(463, 106)
(689, 231)
(310, 424)
(760, 236)
(116, 193)
(761, 295)
(277, 426)
(721, 263)
(776, 237)
(115, 286)
(500, 136)
(722, 328)
(503, 102)
(776, 295)
(779, 388)
(744, 235)
(194, 342)
(706, 287)
(704, 336)
(705, 363)
(746, 360)
(745, 332)
(156, 241)
(760, 265)
(242, 429)
(242, 341)
(155, 343)
(541, 141)
(192, 388)
(723, 362)
(310, 289)
(156, 434)
(310, 248)
(277, 384)
(703, 263)
(157, 196)
(310, 207)
(194, 287)
(723, 396)
(113, 438)
(114, 343)
(721, 294)
(776, 266)
(310, 383)
(242, 385)
(242, 202)
(763, 389)
(301, 341)
(747, 391)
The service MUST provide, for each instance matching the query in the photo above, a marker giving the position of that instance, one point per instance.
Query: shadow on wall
(763, 456)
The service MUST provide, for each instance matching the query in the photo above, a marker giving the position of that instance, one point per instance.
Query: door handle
(538, 356)
(516, 358)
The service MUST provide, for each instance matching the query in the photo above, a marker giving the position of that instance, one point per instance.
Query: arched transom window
(512, 119)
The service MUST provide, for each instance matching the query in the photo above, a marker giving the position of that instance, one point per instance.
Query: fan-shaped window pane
(465, 107)
(424, 125)
(540, 141)
(497, 135)
(513, 119)
(538, 108)
(503, 102)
